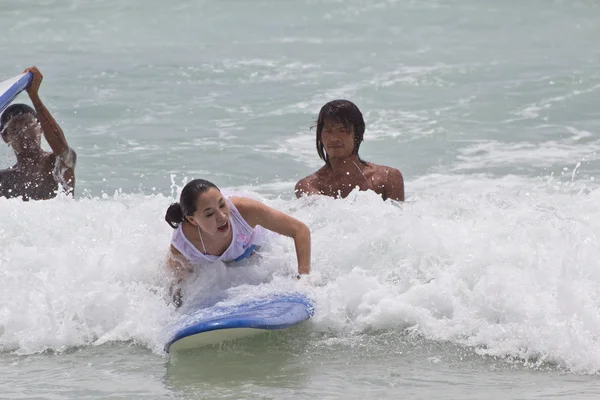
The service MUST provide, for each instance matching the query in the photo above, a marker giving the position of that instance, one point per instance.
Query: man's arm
(65, 169)
(52, 131)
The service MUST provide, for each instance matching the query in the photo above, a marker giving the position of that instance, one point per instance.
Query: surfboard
(10, 88)
(220, 323)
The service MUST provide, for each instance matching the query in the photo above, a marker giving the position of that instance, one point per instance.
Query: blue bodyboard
(10, 88)
(221, 323)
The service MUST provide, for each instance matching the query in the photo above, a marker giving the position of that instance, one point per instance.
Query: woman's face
(212, 213)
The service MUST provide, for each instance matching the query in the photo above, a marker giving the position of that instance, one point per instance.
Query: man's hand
(34, 86)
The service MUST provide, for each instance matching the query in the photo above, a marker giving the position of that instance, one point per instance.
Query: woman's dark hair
(177, 212)
(346, 113)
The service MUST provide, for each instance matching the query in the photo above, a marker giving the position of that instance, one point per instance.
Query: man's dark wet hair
(343, 112)
(15, 110)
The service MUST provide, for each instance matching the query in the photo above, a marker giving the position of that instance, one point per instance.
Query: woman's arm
(257, 213)
(180, 269)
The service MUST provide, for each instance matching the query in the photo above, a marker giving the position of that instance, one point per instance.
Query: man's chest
(34, 183)
(343, 186)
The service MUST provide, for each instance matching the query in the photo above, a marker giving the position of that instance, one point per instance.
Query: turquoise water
(488, 109)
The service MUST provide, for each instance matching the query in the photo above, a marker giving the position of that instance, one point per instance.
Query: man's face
(337, 139)
(22, 133)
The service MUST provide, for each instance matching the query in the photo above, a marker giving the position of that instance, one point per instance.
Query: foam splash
(509, 266)
(80, 272)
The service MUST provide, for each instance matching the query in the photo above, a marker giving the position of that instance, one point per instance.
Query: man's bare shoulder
(309, 184)
(385, 172)
(389, 182)
(305, 185)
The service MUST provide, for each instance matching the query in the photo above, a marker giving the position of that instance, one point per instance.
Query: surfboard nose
(10, 88)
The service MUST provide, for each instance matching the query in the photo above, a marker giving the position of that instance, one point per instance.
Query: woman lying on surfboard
(211, 227)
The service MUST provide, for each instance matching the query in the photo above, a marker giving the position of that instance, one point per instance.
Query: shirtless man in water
(37, 174)
(340, 130)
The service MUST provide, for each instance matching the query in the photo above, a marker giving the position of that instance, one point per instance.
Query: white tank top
(245, 241)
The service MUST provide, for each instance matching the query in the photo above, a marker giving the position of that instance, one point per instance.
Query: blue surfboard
(10, 88)
(217, 324)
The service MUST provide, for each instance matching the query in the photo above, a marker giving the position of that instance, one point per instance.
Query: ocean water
(485, 283)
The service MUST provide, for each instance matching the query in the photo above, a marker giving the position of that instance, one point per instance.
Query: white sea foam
(509, 266)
